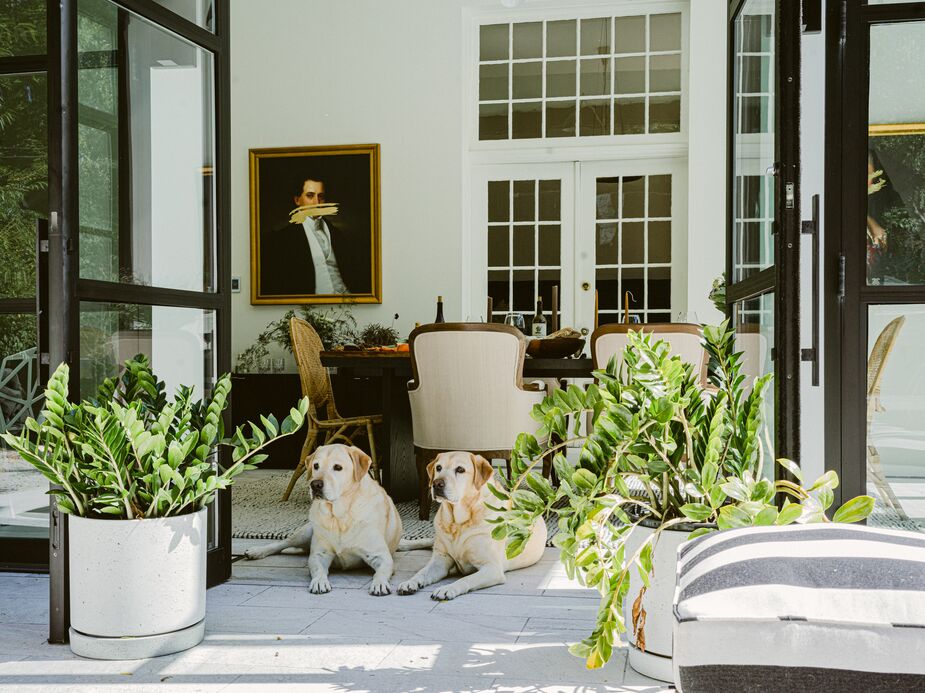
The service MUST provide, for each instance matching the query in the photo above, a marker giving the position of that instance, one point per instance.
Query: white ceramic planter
(138, 587)
(655, 662)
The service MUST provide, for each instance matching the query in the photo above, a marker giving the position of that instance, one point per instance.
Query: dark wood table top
(400, 363)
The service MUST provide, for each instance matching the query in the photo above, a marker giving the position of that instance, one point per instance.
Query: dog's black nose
(317, 485)
(439, 486)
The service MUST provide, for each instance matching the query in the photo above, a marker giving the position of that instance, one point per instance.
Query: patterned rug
(258, 513)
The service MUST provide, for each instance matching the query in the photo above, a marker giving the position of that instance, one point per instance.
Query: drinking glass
(688, 316)
(474, 318)
(278, 365)
(516, 320)
(263, 365)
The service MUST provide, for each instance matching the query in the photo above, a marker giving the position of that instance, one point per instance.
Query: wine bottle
(538, 328)
(440, 310)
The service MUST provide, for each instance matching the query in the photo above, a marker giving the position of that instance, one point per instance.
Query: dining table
(392, 371)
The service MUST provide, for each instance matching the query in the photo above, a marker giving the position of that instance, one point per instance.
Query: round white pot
(138, 587)
(655, 661)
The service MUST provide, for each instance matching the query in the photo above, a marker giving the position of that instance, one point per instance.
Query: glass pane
(634, 197)
(607, 200)
(524, 291)
(665, 32)
(549, 245)
(560, 38)
(180, 342)
(595, 76)
(22, 28)
(629, 34)
(493, 42)
(895, 411)
(560, 119)
(606, 251)
(524, 246)
(754, 325)
(493, 82)
(629, 116)
(595, 36)
(560, 78)
(498, 246)
(550, 200)
(659, 241)
(499, 286)
(895, 251)
(23, 499)
(632, 243)
(493, 121)
(753, 141)
(658, 289)
(524, 200)
(527, 80)
(23, 179)
(499, 200)
(665, 73)
(527, 120)
(528, 40)
(200, 12)
(630, 75)
(607, 283)
(169, 154)
(595, 118)
(664, 114)
(659, 196)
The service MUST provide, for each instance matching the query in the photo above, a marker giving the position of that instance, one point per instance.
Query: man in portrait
(311, 258)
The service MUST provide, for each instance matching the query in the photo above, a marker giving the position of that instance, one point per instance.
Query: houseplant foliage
(662, 452)
(131, 453)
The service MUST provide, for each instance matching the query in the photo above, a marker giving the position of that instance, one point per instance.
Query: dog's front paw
(256, 554)
(380, 589)
(444, 594)
(408, 587)
(320, 585)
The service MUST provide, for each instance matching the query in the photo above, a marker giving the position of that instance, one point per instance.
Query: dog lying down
(351, 522)
(462, 533)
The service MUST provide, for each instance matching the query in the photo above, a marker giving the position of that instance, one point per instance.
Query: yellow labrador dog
(462, 533)
(351, 521)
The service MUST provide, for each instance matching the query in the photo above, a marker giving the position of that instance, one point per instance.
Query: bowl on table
(555, 347)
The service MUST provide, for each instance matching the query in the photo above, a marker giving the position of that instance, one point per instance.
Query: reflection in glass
(493, 82)
(594, 117)
(200, 12)
(527, 120)
(527, 80)
(561, 38)
(754, 326)
(524, 200)
(493, 42)
(560, 119)
(895, 411)
(606, 251)
(168, 152)
(595, 36)
(550, 200)
(493, 121)
(560, 78)
(632, 243)
(629, 34)
(524, 246)
(659, 241)
(630, 75)
(499, 201)
(23, 178)
(664, 114)
(665, 73)
(528, 40)
(22, 28)
(498, 246)
(629, 116)
(595, 76)
(549, 245)
(665, 32)
(895, 228)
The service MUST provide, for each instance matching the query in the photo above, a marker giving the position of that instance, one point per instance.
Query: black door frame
(846, 294)
(66, 290)
(783, 277)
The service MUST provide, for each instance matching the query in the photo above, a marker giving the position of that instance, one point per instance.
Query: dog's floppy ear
(308, 465)
(361, 462)
(430, 470)
(483, 470)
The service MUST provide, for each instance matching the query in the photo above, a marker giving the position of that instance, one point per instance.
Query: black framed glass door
(876, 188)
(763, 249)
(136, 193)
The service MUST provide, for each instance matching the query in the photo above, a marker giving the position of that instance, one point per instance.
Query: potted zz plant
(135, 473)
(666, 458)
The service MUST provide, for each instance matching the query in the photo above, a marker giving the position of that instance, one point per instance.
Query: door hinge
(789, 195)
(841, 277)
(808, 354)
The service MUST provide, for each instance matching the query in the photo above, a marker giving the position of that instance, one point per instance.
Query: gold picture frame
(282, 264)
(883, 129)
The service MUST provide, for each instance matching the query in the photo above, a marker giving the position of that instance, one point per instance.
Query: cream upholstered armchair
(684, 339)
(468, 393)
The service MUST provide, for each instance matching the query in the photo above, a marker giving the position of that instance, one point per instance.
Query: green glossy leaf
(855, 510)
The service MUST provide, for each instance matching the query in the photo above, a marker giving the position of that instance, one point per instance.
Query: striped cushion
(803, 607)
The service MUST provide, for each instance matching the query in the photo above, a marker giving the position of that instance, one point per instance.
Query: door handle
(811, 228)
(585, 286)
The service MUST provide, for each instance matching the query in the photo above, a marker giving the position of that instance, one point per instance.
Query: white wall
(323, 72)
(327, 72)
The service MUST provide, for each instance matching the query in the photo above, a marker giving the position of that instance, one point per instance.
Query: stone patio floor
(266, 632)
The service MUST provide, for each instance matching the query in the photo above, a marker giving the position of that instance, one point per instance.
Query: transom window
(580, 77)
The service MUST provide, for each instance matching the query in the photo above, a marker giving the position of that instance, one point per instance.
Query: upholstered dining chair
(468, 393)
(684, 338)
(325, 425)
(876, 364)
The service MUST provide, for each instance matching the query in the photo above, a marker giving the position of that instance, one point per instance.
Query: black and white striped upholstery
(828, 607)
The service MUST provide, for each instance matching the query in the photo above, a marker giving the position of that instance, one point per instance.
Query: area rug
(258, 513)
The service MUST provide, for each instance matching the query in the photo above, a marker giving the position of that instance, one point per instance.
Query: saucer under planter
(655, 662)
(138, 587)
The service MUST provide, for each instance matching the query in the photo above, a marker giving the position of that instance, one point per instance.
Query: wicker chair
(325, 424)
(876, 363)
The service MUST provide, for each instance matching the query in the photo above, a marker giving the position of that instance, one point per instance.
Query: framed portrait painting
(315, 234)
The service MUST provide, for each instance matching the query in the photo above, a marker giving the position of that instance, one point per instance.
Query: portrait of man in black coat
(323, 258)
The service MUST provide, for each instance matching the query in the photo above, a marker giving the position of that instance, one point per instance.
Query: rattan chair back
(316, 383)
